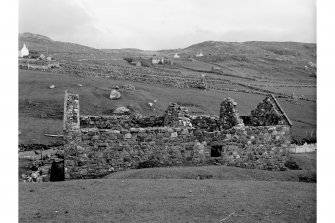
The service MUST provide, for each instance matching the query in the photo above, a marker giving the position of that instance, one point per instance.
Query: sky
(168, 24)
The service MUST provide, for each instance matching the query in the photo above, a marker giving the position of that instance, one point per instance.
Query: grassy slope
(167, 201)
(277, 60)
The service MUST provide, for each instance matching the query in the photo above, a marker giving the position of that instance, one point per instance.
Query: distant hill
(259, 48)
(251, 59)
(130, 52)
(43, 44)
(259, 57)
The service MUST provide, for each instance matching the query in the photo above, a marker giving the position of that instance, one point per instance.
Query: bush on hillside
(308, 177)
(151, 163)
(128, 59)
(292, 165)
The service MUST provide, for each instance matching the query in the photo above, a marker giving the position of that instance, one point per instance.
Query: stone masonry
(95, 146)
(229, 116)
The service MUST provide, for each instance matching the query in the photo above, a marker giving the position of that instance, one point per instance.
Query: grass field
(172, 200)
(177, 194)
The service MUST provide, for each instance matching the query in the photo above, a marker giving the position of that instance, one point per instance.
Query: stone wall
(96, 146)
(103, 151)
(176, 115)
(208, 123)
(120, 121)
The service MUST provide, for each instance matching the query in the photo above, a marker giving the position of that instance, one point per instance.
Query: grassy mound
(209, 172)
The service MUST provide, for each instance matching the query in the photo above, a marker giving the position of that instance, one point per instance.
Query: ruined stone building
(98, 145)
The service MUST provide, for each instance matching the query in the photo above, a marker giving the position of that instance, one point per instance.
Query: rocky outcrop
(129, 87)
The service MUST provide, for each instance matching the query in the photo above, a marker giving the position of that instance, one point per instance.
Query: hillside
(247, 72)
(259, 59)
(253, 59)
(43, 44)
(129, 52)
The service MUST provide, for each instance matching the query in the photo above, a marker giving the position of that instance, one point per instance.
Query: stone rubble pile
(129, 87)
(42, 169)
(121, 110)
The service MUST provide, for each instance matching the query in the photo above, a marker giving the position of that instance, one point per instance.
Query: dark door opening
(216, 151)
(57, 171)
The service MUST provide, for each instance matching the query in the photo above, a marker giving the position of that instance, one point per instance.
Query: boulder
(121, 110)
(114, 95)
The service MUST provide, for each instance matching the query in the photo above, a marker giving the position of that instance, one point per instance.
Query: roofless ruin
(98, 145)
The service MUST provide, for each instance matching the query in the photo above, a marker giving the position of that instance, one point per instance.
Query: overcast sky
(166, 24)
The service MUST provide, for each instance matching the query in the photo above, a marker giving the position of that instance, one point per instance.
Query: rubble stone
(114, 95)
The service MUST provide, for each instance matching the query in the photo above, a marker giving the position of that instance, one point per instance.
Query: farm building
(42, 57)
(136, 63)
(168, 62)
(176, 56)
(215, 68)
(157, 60)
(199, 54)
(49, 58)
(24, 51)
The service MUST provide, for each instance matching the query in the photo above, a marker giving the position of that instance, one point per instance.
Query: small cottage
(42, 57)
(157, 60)
(24, 51)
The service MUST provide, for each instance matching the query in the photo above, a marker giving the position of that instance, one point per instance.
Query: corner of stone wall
(71, 129)
(229, 116)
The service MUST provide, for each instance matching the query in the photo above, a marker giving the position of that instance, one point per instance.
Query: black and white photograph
(166, 111)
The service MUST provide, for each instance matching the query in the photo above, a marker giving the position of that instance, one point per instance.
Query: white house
(176, 56)
(24, 51)
(157, 60)
(199, 54)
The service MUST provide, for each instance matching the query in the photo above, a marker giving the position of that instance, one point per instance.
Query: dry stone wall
(208, 123)
(97, 146)
(119, 122)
